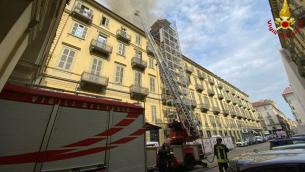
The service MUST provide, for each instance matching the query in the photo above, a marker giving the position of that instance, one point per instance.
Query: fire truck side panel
(22, 128)
(151, 156)
(45, 131)
(177, 149)
(130, 155)
(74, 129)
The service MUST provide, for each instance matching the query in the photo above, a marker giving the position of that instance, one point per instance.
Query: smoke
(127, 8)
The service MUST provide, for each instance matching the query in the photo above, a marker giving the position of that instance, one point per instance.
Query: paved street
(237, 151)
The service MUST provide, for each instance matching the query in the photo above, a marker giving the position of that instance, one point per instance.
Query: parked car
(282, 142)
(299, 135)
(259, 139)
(251, 140)
(292, 146)
(270, 161)
(242, 143)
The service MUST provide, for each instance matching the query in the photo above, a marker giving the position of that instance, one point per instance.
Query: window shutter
(107, 22)
(120, 48)
(123, 49)
(117, 73)
(84, 32)
(74, 28)
(121, 75)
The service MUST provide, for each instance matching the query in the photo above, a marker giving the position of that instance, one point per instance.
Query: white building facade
(298, 110)
(272, 118)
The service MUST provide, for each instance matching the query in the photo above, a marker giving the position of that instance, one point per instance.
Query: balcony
(100, 47)
(137, 62)
(211, 80)
(240, 104)
(82, 13)
(227, 97)
(199, 87)
(225, 112)
(169, 113)
(189, 69)
(183, 91)
(149, 50)
(138, 93)
(123, 36)
(234, 101)
(204, 107)
(93, 82)
(233, 113)
(215, 110)
(211, 92)
(220, 85)
(166, 91)
(167, 100)
(239, 116)
(190, 102)
(182, 81)
(201, 76)
(220, 96)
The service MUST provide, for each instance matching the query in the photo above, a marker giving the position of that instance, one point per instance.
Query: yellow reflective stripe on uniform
(220, 150)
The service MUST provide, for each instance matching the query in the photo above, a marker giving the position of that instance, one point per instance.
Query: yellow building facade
(98, 53)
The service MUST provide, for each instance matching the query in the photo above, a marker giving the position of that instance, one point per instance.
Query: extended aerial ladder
(188, 119)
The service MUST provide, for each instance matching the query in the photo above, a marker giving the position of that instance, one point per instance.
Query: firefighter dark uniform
(220, 151)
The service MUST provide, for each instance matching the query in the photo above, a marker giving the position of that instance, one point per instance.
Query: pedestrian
(220, 151)
(163, 159)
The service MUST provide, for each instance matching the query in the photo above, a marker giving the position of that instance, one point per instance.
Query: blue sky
(228, 37)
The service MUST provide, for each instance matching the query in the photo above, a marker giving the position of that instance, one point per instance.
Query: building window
(79, 30)
(138, 39)
(192, 94)
(96, 67)
(84, 10)
(139, 54)
(152, 84)
(154, 135)
(121, 49)
(66, 58)
(105, 21)
(206, 100)
(200, 98)
(189, 78)
(216, 102)
(151, 63)
(153, 113)
(119, 74)
(101, 40)
(138, 78)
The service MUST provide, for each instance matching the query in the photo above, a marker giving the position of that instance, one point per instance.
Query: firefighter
(163, 159)
(220, 151)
